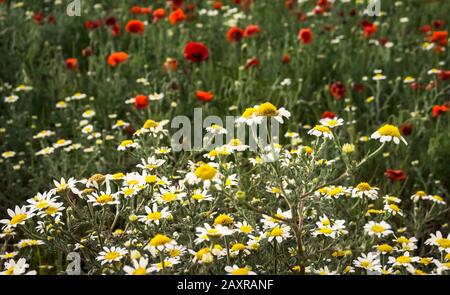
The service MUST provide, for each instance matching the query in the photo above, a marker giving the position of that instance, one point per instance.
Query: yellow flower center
(323, 129)
(140, 271)
(166, 264)
(132, 182)
(169, 197)
(150, 124)
(276, 232)
(394, 207)
(51, 210)
(112, 255)
(366, 264)
(240, 271)
(331, 123)
(238, 247)
(249, 112)
(174, 253)
(335, 191)
(198, 197)
(205, 172)
(276, 190)
(246, 229)
(235, 142)
(425, 260)
(385, 248)
(444, 243)
(326, 221)
(128, 191)
(42, 204)
(325, 230)
(403, 259)
(389, 130)
(202, 252)
(363, 186)
(223, 219)
(377, 228)
(159, 240)
(10, 271)
(154, 216)
(151, 178)
(421, 194)
(267, 110)
(103, 199)
(126, 143)
(18, 219)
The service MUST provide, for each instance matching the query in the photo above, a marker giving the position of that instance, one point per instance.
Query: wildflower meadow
(241, 137)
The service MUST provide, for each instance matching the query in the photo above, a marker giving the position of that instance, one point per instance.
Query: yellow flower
(224, 219)
(159, 240)
(205, 172)
(267, 110)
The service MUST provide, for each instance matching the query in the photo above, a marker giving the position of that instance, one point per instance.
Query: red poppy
(444, 75)
(251, 30)
(234, 34)
(438, 23)
(72, 63)
(396, 175)
(425, 29)
(90, 25)
(251, 63)
(285, 58)
(135, 26)
(406, 129)
(140, 10)
(177, 16)
(115, 30)
(117, 58)
(439, 110)
(176, 3)
(38, 17)
(196, 52)
(305, 36)
(158, 14)
(111, 21)
(141, 101)
(289, 4)
(135, 10)
(217, 5)
(204, 95)
(328, 115)
(337, 90)
(440, 38)
(369, 29)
